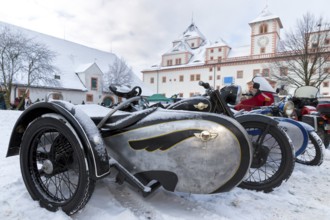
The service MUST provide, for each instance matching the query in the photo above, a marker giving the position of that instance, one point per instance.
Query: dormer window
(169, 63)
(263, 28)
(192, 45)
(57, 77)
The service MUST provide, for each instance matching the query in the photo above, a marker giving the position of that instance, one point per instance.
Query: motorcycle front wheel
(54, 167)
(273, 157)
(313, 154)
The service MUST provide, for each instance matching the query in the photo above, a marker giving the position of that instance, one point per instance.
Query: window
(164, 79)
(180, 94)
(218, 87)
(265, 72)
(326, 70)
(283, 71)
(256, 72)
(239, 74)
(89, 98)
(192, 77)
(178, 61)
(57, 96)
(94, 83)
(211, 50)
(219, 49)
(211, 58)
(210, 69)
(169, 62)
(325, 93)
(326, 84)
(218, 68)
(262, 50)
(191, 94)
(57, 76)
(22, 91)
(327, 41)
(198, 77)
(219, 59)
(152, 80)
(210, 77)
(263, 28)
(218, 77)
(192, 45)
(181, 78)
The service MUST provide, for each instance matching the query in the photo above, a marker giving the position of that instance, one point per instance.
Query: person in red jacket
(259, 99)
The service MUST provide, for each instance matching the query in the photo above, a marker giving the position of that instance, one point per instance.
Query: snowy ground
(306, 195)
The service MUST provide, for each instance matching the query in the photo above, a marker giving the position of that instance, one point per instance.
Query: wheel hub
(47, 167)
(260, 157)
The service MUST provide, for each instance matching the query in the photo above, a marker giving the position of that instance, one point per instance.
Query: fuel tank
(207, 153)
(198, 103)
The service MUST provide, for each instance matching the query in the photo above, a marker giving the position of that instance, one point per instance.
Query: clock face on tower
(263, 41)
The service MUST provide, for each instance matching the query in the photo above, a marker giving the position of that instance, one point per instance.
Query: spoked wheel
(324, 136)
(313, 154)
(54, 166)
(273, 158)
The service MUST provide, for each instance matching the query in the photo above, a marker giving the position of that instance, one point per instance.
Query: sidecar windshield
(264, 84)
(306, 92)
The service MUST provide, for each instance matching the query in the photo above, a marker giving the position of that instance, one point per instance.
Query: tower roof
(266, 15)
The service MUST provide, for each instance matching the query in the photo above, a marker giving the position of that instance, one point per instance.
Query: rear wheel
(324, 136)
(54, 166)
(313, 154)
(273, 157)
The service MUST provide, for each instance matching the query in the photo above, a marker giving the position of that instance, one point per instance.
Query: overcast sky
(140, 31)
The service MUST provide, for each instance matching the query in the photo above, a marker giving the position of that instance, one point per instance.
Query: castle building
(193, 58)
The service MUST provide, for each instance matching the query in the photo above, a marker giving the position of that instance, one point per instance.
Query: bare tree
(118, 73)
(304, 53)
(24, 61)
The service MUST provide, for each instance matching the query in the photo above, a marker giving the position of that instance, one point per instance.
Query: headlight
(288, 108)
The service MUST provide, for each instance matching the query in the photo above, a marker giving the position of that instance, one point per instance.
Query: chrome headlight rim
(288, 108)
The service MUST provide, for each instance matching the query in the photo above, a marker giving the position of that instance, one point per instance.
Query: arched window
(263, 28)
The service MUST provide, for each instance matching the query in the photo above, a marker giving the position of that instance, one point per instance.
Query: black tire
(313, 154)
(54, 167)
(324, 136)
(274, 163)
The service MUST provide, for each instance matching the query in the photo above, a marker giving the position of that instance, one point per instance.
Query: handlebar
(205, 85)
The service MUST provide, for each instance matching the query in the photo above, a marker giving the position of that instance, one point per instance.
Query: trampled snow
(306, 195)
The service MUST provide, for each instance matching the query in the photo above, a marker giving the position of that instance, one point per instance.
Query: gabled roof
(71, 58)
(266, 15)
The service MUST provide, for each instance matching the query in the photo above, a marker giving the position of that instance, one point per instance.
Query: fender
(256, 117)
(306, 110)
(308, 127)
(97, 157)
(300, 142)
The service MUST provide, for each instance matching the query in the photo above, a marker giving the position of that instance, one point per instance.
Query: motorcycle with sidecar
(64, 149)
(273, 155)
(308, 144)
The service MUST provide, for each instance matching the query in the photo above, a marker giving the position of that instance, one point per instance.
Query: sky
(140, 31)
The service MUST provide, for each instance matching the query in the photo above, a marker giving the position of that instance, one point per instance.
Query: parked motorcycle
(64, 149)
(309, 110)
(323, 128)
(308, 145)
(273, 157)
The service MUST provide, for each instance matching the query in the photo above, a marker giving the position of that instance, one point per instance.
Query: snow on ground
(306, 195)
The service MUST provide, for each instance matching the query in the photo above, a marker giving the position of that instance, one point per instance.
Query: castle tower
(265, 33)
